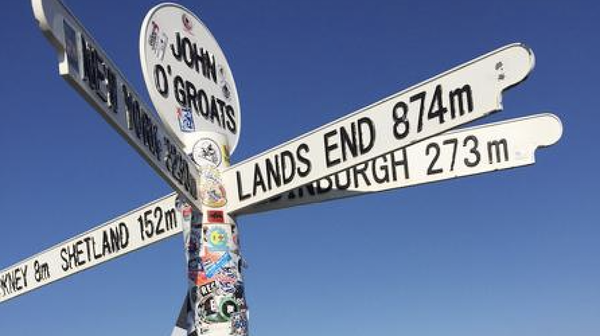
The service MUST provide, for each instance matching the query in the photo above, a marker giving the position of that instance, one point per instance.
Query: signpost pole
(217, 304)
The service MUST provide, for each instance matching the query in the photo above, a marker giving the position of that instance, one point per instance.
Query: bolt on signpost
(400, 141)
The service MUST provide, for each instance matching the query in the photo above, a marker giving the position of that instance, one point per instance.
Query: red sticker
(216, 216)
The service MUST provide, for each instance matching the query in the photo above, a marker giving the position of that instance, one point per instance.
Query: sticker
(227, 280)
(209, 306)
(212, 269)
(186, 119)
(217, 239)
(158, 41)
(71, 46)
(153, 38)
(239, 324)
(195, 268)
(206, 151)
(208, 288)
(216, 216)
(225, 89)
(225, 153)
(187, 23)
(212, 192)
(194, 243)
(227, 308)
(186, 212)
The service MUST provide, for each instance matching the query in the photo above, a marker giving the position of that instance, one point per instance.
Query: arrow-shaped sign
(146, 225)
(461, 95)
(464, 152)
(90, 71)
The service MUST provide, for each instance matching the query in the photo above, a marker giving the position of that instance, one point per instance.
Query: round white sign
(188, 76)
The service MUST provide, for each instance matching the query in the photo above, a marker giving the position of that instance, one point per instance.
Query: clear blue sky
(507, 253)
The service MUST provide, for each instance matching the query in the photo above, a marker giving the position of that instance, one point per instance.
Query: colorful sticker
(239, 324)
(186, 119)
(217, 239)
(212, 269)
(212, 191)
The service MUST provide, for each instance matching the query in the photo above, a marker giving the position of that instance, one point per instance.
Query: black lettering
(497, 147)
(360, 170)
(370, 130)
(177, 52)
(189, 54)
(273, 172)
(473, 150)
(160, 80)
(231, 123)
(383, 168)
(436, 148)
(330, 147)
(106, 248)
(214, 111)
(302, 159)
(287, 160)
(203, 105)
(258, 180)
(402, 162)
(324, 189)
(337, 179)
(400, 120)
(64, 256)
(461, 97)
(348, 142)
(180, 95)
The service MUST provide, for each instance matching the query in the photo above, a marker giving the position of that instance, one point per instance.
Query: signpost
(188, 76)
(396, 142)
(456, 97)
(90, 71)
(464, 152)
(141, 227)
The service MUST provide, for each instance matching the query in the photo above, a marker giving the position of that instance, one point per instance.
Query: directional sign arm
(84, 64)
(498, 146)
(464, 152)
(138, 228)
(456, 97)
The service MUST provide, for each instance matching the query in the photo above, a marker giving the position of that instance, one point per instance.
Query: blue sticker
(217, 239)
(186, 119)
(211, 270)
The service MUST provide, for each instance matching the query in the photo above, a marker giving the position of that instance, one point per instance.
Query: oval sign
(188, 77)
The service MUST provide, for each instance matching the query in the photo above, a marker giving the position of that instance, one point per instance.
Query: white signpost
(146, 225)
(90, 71)
(390, 144)
(188, 76)
(465, 152)
(456, 97)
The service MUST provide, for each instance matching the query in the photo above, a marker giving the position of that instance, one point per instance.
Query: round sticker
(188, 77)
(227, 308)
(207, 151)
(212, 191)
